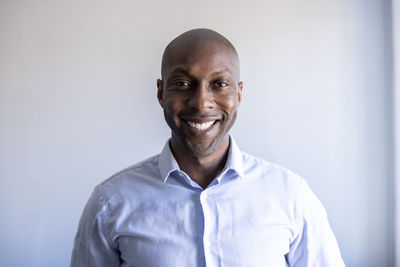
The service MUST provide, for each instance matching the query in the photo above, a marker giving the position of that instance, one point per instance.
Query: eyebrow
(220, 72)
(181, 70)
(187, 73)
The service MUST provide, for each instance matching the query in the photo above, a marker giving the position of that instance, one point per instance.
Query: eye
(220, 84)
(181, 83)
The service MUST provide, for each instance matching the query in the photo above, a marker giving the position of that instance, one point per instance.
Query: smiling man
(202, 201)
(200, 93)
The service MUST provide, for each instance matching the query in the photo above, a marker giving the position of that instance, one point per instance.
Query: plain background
(78, 103)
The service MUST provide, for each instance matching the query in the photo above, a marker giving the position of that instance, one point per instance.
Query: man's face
(200, 94)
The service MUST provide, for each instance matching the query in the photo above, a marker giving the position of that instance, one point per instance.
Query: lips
(201, 126)
(200, 123)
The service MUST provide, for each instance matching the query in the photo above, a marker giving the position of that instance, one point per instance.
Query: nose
(202, 98)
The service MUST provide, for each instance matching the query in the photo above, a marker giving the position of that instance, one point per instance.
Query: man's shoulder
(142, 172)
(274, 181)
(137, 168)
(259, 168)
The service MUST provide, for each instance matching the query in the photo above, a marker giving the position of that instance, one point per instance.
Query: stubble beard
(197, 148)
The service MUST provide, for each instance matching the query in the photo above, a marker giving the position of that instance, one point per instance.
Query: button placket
(209, 225)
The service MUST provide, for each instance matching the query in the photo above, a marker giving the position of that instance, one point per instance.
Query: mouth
(201, 126)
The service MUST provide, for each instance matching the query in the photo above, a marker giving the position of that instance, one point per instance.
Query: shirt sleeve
(91, 245)
(315, 245)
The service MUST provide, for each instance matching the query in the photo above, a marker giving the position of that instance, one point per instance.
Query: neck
(201, 169)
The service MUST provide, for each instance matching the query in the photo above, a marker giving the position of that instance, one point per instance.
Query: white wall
(78, 103)
(396, 101)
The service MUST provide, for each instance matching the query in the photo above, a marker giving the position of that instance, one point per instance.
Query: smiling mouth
(201, 126)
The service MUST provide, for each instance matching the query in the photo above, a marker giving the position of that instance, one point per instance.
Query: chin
(201, 153)
(200, 149)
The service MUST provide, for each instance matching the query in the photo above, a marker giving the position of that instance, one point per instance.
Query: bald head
(186, 44)
(200, 93)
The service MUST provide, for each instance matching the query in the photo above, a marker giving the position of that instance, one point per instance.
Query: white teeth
(201, 126)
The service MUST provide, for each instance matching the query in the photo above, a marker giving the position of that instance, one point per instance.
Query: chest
(204, 230)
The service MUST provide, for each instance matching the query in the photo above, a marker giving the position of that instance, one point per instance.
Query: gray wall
(78, 103)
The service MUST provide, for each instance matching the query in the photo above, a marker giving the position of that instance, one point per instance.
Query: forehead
(201, 57)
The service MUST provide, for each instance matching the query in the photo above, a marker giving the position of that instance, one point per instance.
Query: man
(203, 202)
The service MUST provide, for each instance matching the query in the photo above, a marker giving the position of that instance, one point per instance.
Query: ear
(160, 91)
(240, 87)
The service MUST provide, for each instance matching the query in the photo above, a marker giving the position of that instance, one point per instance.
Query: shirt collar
(235, 159)
(167, 163)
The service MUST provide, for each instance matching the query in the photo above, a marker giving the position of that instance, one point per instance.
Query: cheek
(172, 101)
(229, 104)
(172, 107)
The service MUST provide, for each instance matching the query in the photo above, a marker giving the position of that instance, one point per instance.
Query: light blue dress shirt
(254, 213)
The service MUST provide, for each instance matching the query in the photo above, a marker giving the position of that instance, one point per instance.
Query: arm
(315, 243)
(92, 246)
